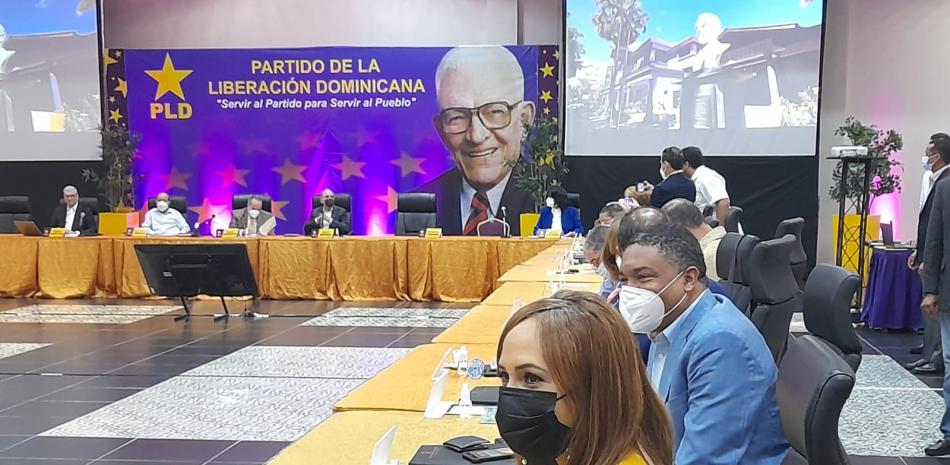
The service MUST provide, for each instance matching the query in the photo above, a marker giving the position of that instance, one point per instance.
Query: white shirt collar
(494, 197)
(666, 333)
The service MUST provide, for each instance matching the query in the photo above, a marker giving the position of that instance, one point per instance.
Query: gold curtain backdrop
(451, 269)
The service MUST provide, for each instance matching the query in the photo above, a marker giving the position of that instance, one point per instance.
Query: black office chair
(414, 213)
(731, 222)
(91, 203)
(775, 293)
(177, 202)
(575, 199)
(712, 222)
(827, 311)
(732, 257)
(341, 200)
(812, 387)
(240, 201)
(799, 258)
(14, 208)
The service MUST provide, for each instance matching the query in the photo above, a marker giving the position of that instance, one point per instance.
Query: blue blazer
(677, 186)
(570, 220)
(718, 382)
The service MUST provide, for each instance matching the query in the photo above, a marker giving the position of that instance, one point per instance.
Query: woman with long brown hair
(575, 388)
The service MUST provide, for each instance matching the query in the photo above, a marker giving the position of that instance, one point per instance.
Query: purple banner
(290, 123)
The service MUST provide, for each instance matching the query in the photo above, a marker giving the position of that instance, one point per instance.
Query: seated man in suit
(707, 361)
(684, 213)
(328, 216)
(254, 219)
(73, 216)
(164, 220)
(560, 215)
(675, 184)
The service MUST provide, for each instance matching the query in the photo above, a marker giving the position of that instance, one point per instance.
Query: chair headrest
(726, 254)
(812, 387)
(731, 222)
(794, 227)
(416, 203)
(240, 201)
(744, 266)
(15, 204)
(178, 202)
(341, 200)
(574, 199)
(770, 274)
(827, 306)
(91, 203)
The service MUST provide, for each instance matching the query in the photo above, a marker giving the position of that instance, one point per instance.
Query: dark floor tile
(7, 442)
(427, 331)
(64, 448)
(251, 451)
(169, 450)
(366, 340)
(26, 461)
(32, 386)
(869, 460)
(927, 460)
(409, 341)
(935, 382)
(375, 330)
(80, 394)
(29, 425)
(54, 409)
(123, 382)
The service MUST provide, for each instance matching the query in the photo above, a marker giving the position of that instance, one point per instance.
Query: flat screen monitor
(187, 270)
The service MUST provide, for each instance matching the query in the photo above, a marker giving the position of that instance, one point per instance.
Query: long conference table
(397, 396)
(449, 269)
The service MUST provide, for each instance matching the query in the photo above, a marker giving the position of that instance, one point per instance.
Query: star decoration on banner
(111, 99)
(201, 149)
(254, 145)
(207, 209)
(557, 54)
(364, 137)
(275, 208)
(290, 172)
(175, 179)
(232, 175)
(408, 165)
(309, 140)
(122, 88)
(349, 168)
(391, 198)
(168, 78)
(547, 111)
(108, 60)
(546, 96)
(114, 115)
(547, 70)
(118, 53)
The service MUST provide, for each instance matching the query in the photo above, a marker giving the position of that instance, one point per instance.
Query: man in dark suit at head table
(482, 113)
(73, 216)
(675, 184)
(328, 216)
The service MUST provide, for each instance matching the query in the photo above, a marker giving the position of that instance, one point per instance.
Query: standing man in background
(675, 184)
(935, 161)
(73, 216)
(711, 193)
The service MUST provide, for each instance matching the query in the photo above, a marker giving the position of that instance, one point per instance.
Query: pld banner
(369, 122)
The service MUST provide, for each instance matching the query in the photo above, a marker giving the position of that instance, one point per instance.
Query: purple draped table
(893, 296)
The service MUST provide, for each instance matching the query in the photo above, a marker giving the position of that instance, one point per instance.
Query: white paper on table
(473, 411)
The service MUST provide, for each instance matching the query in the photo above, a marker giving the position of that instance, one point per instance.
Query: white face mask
(643, 309)
(162, 206)
(254, 213)
(925, 162)
(549, 202)
(602, 271)
(663, 174)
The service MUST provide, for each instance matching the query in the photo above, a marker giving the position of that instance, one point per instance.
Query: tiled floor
(128, 385)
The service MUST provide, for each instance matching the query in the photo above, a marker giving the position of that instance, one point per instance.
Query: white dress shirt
(169, 223)
(70, 217)
(326, 218)
(494, 198)
(662, 343)
(710, 188)
(927, 183)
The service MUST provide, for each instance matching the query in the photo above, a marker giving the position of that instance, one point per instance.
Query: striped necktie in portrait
(480, 209)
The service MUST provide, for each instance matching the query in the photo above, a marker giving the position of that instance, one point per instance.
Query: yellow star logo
(547, 70)
(207, 209)
(275, 208)
(349, 168)
(309, 140)
(557, 54)
(108, 60)
(114, 115)
(232, 175)
(174, 179)
(168, 78)
(546, 96)
(408, 165)
(391, 198)
(290, 172)
(122, 88)
(547, 111)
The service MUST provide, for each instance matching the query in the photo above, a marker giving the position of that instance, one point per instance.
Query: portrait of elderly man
(481, 118)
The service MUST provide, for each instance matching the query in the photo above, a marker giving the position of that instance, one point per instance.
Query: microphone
(504, 213)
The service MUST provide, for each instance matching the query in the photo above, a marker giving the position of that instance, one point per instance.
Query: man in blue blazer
(707, 360)
(675, 185)
(558, 207)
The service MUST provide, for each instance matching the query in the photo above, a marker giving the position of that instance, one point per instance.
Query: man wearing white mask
(254, 219)
(593, 252)
(707, 361)
(675, 185)
(164, 220)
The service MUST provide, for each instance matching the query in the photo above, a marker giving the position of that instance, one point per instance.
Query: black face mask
(328, 203)
(526, 421)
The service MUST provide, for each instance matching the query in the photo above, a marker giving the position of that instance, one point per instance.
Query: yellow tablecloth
(540, 273)
(75, 267)
(405, 385)
(481, 325)
(347, 438)
(19, 276)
